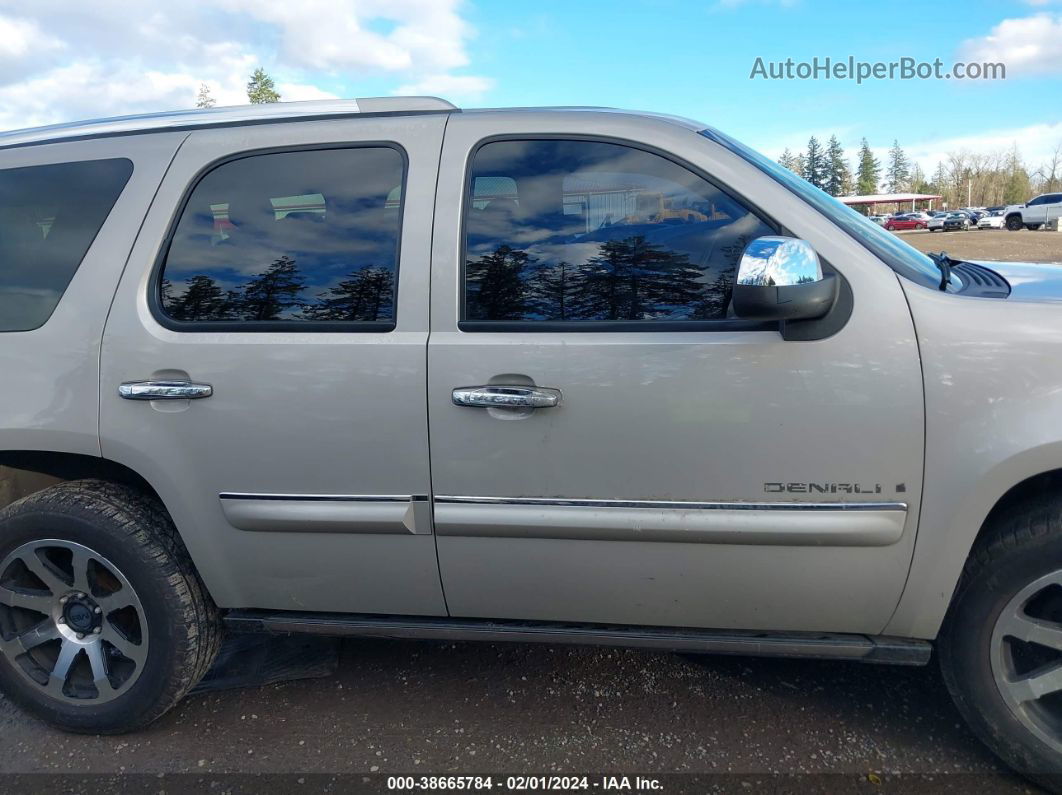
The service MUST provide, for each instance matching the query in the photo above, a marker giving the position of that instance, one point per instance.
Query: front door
(678, 466)
(281, 281)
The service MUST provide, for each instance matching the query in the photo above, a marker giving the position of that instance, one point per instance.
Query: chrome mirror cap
(778, 262)
(780, 278)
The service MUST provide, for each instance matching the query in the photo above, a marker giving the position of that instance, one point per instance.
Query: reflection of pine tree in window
(364, 295)
(272, 294)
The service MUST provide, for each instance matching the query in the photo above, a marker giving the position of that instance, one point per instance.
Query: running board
(813, 645)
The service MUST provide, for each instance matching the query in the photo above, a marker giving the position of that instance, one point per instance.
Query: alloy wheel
(70, 622)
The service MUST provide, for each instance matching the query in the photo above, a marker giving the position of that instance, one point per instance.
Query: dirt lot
(430, 708)
(990, 244)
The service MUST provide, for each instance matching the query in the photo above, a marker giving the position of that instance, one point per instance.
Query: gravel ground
(990, 244)
(430, 708)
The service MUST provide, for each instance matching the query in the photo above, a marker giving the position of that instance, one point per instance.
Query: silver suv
(387, 368)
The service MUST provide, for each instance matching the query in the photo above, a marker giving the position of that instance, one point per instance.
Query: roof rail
(232, 115)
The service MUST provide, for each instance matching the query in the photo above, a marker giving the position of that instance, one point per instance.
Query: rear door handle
(507, 397)
(164, 390)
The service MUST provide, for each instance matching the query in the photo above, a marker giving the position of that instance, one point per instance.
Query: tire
(1011, 572)
(153, 629)
(1014, 223)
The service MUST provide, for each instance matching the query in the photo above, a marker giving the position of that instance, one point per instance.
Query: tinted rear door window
(302, 240)
(49, 216)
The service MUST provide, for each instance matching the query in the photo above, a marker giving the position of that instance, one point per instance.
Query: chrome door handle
(164, 390)
(507, 397)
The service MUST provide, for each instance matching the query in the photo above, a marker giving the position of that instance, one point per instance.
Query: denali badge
(822, 488)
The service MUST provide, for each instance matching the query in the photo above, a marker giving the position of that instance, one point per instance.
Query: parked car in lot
(936, 223)
(878, 219)
(955, 222)
(1034, 213)
(905, 221)
(994, 220)
(308, 367)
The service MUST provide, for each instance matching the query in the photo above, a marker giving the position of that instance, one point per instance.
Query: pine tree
(868, 171)
(273, 293)
(203, 99)
(898, 172)
(838, 176)
(260, 88)
(501, 291)
(815, 164)
(788, 160)
(366, 295)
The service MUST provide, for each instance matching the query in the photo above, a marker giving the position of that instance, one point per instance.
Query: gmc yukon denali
(383, 367)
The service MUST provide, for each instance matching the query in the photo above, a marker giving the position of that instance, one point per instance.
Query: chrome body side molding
(815, 645)
(782, 524)
(386, 514)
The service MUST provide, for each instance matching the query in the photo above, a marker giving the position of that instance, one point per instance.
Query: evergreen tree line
(962, 179)
(630, 279)
(276, 294)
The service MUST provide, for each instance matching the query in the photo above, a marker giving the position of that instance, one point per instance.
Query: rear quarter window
(49, 216)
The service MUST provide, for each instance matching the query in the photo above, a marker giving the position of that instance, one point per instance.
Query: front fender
(993, 388)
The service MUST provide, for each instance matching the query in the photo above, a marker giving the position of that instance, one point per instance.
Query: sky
(62, 60)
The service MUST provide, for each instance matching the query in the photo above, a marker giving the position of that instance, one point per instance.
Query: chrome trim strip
(236, 495)
(679, 505)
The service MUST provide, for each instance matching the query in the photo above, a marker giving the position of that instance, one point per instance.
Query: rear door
(682, 467)
(280, 285)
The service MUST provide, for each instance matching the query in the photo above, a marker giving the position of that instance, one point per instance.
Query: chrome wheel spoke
(98, 663)
(67, 654)
(52, 581)
(38, 604)
(29, 640)
(117, 601)
(80, 562)
(133, 651)
(1032, 630)
(1036, 684)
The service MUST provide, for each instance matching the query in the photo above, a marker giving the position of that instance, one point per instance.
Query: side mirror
(780, 278)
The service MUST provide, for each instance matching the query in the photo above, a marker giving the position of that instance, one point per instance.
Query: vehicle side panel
(993, 409)
(50, 399)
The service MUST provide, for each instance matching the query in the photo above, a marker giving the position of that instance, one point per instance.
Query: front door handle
(507, 397)
(164, 390)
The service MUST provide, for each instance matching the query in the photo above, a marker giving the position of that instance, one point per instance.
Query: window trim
(597, 326)
(92, 240)
(154, 287)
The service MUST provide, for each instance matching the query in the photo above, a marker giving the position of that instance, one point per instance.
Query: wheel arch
(941, 552)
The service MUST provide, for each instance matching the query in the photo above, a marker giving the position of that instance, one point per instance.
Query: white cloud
(448, 86)
(1035, 143)
(1029, 45)
(296, 92)
(21, 37)
(99, 59)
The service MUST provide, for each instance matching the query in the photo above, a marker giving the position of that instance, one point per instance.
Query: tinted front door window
(585, 231)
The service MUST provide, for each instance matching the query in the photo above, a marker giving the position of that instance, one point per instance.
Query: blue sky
(60, 61)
